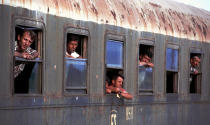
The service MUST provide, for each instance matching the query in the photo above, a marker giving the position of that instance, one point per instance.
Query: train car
(113, 36)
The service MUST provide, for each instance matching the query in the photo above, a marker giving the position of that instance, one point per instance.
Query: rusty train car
(113, 34)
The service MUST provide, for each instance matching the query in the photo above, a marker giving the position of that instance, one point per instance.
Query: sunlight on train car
(204, 4)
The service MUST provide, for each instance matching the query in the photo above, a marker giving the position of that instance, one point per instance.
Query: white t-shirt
(74, 54)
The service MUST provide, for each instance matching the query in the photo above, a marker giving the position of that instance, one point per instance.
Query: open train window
(172, 69)
(145, 68)
(76, 63)
(195, 72)
(28, 60)
(114, 59)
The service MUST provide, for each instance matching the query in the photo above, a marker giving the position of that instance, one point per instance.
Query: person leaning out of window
(71, 47)
(194, 65)
(145, 60)
(23, 50)
(116, 87)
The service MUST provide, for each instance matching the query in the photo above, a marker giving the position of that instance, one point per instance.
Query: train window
(114, 59)
(172, 60)
(145, 68)
(195, 73)
(114, 54)
(76, 64)
(28, 60)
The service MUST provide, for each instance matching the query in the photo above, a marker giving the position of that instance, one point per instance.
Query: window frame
(117, 38)
(195, 50)
(37, 25)
(146, 42)
(81, 31)
(176, 47)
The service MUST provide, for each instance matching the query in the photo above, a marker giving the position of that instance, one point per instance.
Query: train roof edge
(158, 16)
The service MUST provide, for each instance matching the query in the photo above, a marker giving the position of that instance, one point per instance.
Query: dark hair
(195, 56)
(146, 50)
(73, 38)
(149, 53)
(107, 79)
(31, 33)
(116, 76)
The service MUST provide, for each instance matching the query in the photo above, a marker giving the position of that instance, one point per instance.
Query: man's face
(25, 41)
(195, 62)
(72, 45)
(118, 82)
(146, 59)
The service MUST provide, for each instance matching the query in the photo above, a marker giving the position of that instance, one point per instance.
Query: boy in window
(116, 87)
(145, 60)
(194, 65)
(23, 50)
(71, 47)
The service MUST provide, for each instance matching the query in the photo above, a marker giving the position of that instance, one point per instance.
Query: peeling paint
(164, 17)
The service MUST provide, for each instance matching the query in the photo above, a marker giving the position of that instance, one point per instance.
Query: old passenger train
(113, 34)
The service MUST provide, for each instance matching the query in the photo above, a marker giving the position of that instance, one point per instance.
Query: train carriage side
(163, 96)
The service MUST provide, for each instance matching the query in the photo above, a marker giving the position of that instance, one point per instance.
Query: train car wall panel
(130, 54)
(54, 67)
(131, 50)
(205, 79)
(32, 117)
(184, 68)
(208, 56)
(159, 62)
(96, 71)
(5, 50)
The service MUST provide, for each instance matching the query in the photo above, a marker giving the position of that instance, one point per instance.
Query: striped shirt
(19, 66)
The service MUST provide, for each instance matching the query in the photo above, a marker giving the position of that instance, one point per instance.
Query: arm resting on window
(113, 89)
(125, 94)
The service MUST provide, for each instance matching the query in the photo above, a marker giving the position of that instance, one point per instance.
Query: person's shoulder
(16, 46)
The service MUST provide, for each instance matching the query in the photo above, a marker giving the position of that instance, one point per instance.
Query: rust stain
(142, 18)
(94, 9)
(122, 16)
(76, 5)
(123, 6)
(145, 15)
(113, 14)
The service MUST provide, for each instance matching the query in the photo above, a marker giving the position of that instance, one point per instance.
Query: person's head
(72, 44)
(117, 80)
(25, 39)
(145, 58)
(195, 61)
